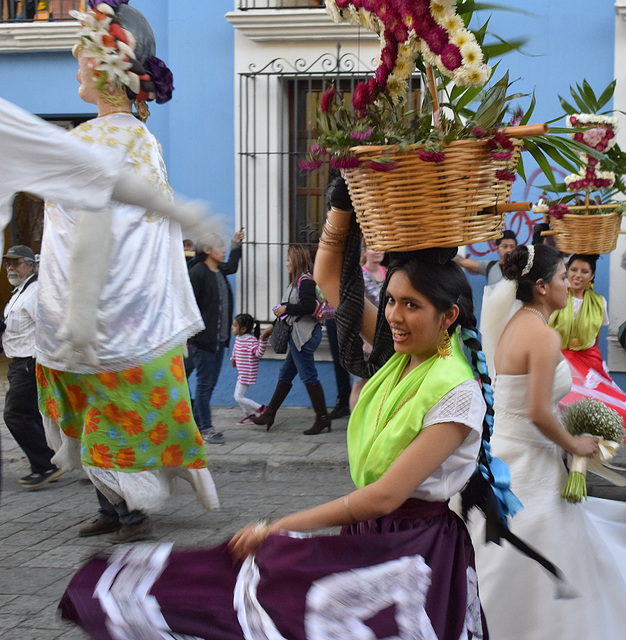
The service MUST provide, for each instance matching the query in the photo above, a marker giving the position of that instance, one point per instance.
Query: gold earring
(444, 347)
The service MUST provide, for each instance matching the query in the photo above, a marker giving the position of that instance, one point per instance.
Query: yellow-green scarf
(580, 332)
(390, 411)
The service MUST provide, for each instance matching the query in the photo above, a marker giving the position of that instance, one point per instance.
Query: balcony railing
(245, 5)
(19, 11)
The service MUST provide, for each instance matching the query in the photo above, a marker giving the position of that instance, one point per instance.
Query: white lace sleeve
(464, 404)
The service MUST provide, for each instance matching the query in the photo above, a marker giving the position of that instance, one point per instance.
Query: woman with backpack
(305, 337)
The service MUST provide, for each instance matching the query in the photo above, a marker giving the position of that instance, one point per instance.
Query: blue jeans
(302, 362)
(208, 366)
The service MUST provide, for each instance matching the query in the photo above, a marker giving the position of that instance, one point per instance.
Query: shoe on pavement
(99, 526)
(261, 410)
(131, 532)
(213, 437)
(36, 480)
(339, 411)
(246, 420)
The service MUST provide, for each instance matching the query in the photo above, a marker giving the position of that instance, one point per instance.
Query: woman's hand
(267, 332)
(585, 446)
(280, 311)
(247, 540)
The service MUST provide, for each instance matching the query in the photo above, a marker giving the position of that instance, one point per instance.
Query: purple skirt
(406, 575)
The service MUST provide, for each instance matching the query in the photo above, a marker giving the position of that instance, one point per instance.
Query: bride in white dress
(518, 596)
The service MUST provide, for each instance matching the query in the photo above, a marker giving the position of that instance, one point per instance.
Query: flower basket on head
(423, 204)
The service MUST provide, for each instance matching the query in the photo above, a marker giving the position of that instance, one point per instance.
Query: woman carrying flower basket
(578, 324)
(531, 378)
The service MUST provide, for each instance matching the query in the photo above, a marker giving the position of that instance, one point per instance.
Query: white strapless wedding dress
(517, 594)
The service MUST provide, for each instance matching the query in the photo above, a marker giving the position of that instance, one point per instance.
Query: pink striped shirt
(246, 354)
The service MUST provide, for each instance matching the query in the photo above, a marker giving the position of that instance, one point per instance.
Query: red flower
(431, 156)
(158, 435)
(500, 142)
(362, 96)
(361, 135)
(109, 380)
(502, 155)
(558, 210)
(436, 39)
(501, 174)
(42, 381)
(309, 165)
(133, 376)
(451, 56)
(344, 162)
(383, 164)
(327, 99)
(131, 422)
(198, 463)
(177, 368)
(382, 74)
(76, 398)
(478, 132)
(112, 413)
(52, 409)
(389, 55)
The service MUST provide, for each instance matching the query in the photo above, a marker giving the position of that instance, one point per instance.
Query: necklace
(104, 115)
(404, 401)
(537, 312)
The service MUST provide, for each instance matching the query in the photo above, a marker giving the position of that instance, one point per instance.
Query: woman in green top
(579, 324)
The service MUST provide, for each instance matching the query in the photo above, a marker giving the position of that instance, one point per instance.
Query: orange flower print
(76, 397)
(133, 376)
(158, 435)
(70, 431)
(158, 397)
(198, 463)
(55, 374)
(42, 381)
(109, 380)
(198, 438)
(52, 409)
(112, 413)
(101, 457)
(177, 368)
(91, 420)
(131, 422)
(125, 458)
(181, 412)
(172, 456)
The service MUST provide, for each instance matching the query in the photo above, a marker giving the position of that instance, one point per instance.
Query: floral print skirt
(133, 420)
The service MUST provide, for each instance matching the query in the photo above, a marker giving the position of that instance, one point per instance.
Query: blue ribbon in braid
(494, 470)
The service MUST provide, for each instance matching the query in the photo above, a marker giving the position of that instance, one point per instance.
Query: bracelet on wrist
(332, 226)
(337, 210)
(261, 529)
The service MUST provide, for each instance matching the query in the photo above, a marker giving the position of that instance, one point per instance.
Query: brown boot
(322, 420)
(267, 417)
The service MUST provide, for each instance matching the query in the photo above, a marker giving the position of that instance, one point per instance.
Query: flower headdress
(120, 41)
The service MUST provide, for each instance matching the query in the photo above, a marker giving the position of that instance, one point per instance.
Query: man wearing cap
(21, 412)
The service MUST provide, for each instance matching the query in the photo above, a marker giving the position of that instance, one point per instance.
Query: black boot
(322, 420)
(267, 417)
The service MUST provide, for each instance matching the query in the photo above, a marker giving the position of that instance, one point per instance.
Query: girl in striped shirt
(247, 352)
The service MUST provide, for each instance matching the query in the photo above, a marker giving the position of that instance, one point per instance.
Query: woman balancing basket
(460, 200)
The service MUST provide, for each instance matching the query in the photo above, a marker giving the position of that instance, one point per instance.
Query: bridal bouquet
(592, 417)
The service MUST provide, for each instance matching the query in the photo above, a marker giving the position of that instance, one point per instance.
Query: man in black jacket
(215, 300)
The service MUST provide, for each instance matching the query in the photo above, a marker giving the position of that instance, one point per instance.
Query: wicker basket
(587, 234)
(426, 204)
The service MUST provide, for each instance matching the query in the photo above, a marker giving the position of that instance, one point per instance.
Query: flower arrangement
(113, 50)
(597, 170)
(597, 419)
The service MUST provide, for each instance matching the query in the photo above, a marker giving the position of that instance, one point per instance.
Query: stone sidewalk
(257, 473)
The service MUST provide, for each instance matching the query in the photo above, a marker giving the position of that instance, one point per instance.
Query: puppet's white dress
(518, 596)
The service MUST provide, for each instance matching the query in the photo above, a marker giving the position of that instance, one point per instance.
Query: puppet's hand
(79, 340)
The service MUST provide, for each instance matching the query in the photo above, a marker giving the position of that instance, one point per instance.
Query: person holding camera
(21, 412)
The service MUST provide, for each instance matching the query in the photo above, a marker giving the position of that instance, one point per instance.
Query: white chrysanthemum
(605, 175)
(396, 88)
(571, 178)
(472, 54)
(444, 3)
(115, 68)
(370, 21)
(452, 24)
(461, 38)
(404, 67)
(352, 15)
(540, 207)
(593, 118)
(440, 12)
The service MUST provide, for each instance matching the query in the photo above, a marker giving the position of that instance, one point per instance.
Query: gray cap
(20, 251)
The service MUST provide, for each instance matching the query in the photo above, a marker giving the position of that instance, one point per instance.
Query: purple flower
(344, 162)
(436, 39)
(162, 78)
(558, 210)
(501, 174)
(361, 135)
(431, 156)
(114, 4)
(501, 155)
(309, 165)
(361, 97)
(478, 132)
(383, 164)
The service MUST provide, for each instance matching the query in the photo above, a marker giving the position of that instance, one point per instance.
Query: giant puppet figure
(123, 407)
